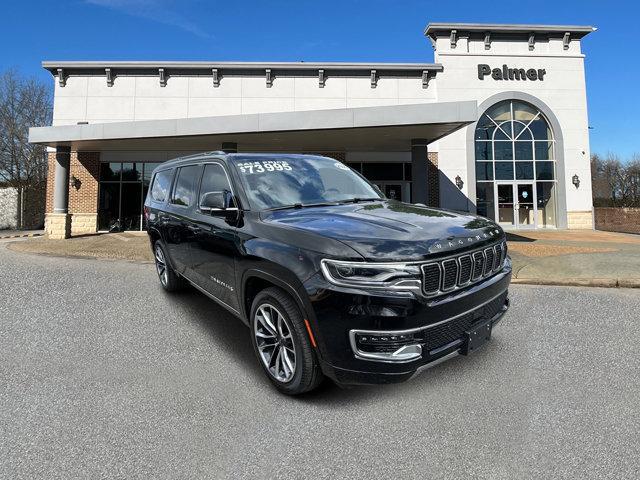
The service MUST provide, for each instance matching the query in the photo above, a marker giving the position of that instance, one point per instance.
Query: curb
(581, 282)
(22, 235)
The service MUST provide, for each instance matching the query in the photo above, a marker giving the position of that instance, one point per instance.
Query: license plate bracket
(476, 337)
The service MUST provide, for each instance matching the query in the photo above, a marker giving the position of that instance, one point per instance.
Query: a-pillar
(419, 169)
(58, 223)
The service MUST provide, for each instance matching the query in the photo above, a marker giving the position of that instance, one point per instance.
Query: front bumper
(431, 330)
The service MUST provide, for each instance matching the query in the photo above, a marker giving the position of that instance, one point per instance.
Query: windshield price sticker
(249, 168)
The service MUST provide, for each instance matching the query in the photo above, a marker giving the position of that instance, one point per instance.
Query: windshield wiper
(358, 200)
(303, 205)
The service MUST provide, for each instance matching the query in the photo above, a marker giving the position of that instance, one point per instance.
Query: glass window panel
(485, 128)
(524, 112)
(524, 150)
(108, 205)
(131, 206)
(500, 112)
(407, 171)
(521, 132)
(484, 170)
(383, 171)
(544, 150)
(184, 189)
(505, 132)
(540, 129)
(544, 171)
(131, 172)
(110, 172)
(524, 170)
(484, 151)
(214, 179)
(546, 196)
(161, 185)
(148, 171)
(504, 170)
(503, 150)
(484, 200)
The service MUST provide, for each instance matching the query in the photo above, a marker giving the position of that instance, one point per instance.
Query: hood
(391, 231)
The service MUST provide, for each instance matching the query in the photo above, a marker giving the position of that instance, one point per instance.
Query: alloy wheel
(161, 265)
(275, 342)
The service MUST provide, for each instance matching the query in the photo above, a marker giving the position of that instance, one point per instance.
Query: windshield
(276, 182)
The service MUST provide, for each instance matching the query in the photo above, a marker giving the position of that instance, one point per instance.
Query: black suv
(331, 277)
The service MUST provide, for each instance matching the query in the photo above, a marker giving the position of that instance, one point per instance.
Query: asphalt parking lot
(102, 375)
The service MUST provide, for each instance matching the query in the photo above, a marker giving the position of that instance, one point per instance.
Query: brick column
(83, 192)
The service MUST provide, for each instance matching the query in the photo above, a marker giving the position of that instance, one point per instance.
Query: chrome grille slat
(478, 265)
(489, 255)
(466, 266)
(449, 274)
(497, 250)
(460, 271)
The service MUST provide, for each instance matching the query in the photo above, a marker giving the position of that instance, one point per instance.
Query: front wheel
(281, 343)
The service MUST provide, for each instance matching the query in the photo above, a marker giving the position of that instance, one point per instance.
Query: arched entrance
(515, 166)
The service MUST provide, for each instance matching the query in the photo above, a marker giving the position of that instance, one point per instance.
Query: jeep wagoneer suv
(332, 278)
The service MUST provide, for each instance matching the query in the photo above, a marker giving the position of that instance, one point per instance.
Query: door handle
(194, 229)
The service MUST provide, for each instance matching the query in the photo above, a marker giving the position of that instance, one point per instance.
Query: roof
(576, 31)
(100, 65)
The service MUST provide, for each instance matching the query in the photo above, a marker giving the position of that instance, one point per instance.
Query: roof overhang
(576, 31)
(142, 67)
(366, 128)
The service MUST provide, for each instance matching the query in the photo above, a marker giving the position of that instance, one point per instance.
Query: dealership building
(497, 125)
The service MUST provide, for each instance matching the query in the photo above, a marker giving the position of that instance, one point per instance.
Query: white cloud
(161, 11)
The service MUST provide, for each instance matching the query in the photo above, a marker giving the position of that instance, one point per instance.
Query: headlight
(390, 276)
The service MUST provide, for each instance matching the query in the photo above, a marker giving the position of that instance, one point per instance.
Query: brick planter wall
(625, 220)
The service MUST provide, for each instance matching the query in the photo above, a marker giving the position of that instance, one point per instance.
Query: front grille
(451, 273)
(447, 332)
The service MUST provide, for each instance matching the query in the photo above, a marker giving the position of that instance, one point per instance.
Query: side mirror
(216, 201)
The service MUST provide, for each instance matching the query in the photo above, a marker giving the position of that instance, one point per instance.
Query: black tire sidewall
(304, 362)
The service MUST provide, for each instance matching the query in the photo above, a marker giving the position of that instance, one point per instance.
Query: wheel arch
(255, 280)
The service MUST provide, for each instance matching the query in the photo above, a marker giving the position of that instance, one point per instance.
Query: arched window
(514, 145)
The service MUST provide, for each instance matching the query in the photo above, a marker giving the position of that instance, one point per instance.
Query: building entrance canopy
(365, 128)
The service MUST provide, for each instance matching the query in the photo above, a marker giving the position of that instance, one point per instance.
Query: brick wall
(626, 220)
(580, 220)
(433, 179)
(85, 166)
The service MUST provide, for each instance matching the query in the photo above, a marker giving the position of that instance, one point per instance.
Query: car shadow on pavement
(233, 338)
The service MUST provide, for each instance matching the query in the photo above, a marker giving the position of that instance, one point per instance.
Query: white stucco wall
(89, 99)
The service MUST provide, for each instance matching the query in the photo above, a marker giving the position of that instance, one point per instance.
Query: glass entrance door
(525, 206)
(516, 205)
(505, 206)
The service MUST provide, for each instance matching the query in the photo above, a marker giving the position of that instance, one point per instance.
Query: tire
(287, 328)
(169, 279)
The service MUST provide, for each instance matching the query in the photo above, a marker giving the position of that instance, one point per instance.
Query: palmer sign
(506, 73)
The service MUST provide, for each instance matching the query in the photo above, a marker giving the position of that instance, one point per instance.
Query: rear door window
(185, 186)
(161, 186)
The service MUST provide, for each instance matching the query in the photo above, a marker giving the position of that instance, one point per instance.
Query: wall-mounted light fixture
(75, 182)
(576, 180)
(459, 182)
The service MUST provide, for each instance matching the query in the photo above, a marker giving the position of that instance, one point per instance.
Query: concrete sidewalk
(555, 257)
(20, 233)
(574, 257)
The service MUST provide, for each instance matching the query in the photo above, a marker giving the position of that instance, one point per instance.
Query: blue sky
(343, 30)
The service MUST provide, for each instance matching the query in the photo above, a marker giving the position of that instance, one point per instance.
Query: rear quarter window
(161, 186)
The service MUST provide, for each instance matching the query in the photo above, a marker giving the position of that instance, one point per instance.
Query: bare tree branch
(24, 103)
